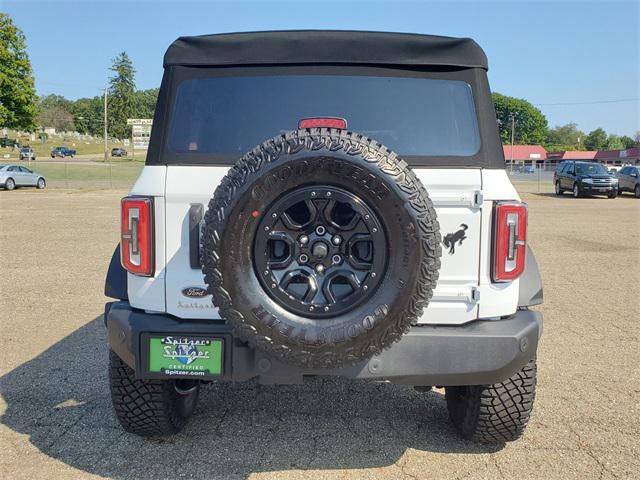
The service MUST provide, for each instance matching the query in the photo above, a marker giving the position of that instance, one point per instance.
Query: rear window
(412, 116)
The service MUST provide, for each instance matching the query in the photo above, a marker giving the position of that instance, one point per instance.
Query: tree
(146, 102)
(88, 115)
(17, 88)
(596, 140)
(55, 111)
(565, 137)
(614, 142)
(122, 100)
(530, 123)
(628, 142)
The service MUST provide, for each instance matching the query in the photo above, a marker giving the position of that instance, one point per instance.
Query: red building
(524, 154)
(618, 157)
(571, 155)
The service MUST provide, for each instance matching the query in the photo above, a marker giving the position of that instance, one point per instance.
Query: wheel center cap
(319, 250)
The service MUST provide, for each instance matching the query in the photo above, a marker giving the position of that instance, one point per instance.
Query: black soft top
(325, 47)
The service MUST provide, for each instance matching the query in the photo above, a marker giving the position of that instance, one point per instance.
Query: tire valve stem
(319, 268)
(304, 239)
(336, 240)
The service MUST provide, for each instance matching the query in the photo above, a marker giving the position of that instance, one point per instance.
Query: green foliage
(55, 111)
(629, 142)
(596, 140)
(614, 142)
(88, 115)
(17, 89)
(530, 123)
(565, 137)
(122, 100)
(145, 103)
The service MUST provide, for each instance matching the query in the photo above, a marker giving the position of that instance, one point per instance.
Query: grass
(82, 147)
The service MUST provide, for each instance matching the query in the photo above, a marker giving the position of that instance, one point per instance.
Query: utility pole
(105, 125)
(513, 116)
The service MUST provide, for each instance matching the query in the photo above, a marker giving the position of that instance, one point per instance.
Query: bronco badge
(450, 239)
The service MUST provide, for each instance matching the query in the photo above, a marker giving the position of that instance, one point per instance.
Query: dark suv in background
(584, 178)
(629, 180)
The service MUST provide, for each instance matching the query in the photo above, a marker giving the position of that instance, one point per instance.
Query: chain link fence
(121, 175)
(86, 174)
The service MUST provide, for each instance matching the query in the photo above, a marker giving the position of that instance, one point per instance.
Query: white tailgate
(457, 197)
(186, 186)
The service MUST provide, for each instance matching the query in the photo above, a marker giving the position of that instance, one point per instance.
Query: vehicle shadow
(60, 399)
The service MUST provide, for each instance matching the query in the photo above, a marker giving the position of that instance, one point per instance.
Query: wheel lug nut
(266, 229)
(274, 215)
(336, 259)
(373, 274)
(375, 229)
(273, 285)
(319, 268)
(313, 194)
(365, 288)
(336, 240)
(304, 258)
(320, 230)
(304, 239)
(326, 309)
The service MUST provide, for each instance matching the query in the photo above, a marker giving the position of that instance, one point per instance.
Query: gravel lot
(57, 420)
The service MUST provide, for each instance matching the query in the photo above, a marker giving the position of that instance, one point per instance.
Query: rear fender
(530, 282)
(115, 285)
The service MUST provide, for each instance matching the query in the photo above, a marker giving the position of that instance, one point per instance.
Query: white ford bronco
(324, 203)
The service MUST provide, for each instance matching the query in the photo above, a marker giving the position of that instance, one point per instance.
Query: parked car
(118, 152)
(27, 153)
(12, 176)
(320, 250)
(629, 180)
(62, 152)
(582, 178)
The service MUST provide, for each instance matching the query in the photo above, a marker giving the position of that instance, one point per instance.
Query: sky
(577, 61)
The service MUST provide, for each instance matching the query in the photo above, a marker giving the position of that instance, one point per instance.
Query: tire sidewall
(10, 184)
(576, 191)
(558, 189)
(261, 189)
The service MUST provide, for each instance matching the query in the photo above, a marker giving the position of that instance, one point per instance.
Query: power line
(594, 102)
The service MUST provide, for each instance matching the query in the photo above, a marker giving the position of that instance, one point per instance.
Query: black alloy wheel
(320, 251)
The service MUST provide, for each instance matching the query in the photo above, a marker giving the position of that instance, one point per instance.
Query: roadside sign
(140, 132)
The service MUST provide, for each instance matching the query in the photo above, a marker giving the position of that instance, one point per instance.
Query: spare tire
(320, 247)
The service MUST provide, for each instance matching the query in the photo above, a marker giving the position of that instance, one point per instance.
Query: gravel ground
(57, 420)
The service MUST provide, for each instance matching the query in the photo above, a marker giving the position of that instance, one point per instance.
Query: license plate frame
(192, 356)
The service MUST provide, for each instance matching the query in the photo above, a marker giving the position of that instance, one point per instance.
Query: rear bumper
(481, 352)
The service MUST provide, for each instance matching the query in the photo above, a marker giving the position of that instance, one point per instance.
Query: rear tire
(149, 407)
(41, 184)
(636, 191)
(612, 194)
(559, 190)
(9, 184)
(495, 413)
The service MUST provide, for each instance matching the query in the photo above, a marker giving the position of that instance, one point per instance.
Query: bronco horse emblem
(451, 239)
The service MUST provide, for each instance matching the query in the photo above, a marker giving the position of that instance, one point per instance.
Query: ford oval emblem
(195, 292)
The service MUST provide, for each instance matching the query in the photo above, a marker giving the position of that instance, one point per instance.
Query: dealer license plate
(185, 356)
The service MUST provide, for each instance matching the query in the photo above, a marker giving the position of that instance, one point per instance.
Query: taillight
(323, 122)
(509, 241)
(136, 237)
